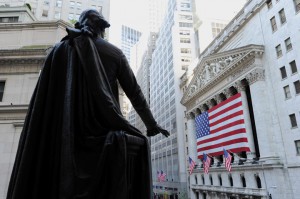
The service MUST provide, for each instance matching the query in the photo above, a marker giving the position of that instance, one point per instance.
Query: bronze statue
(74, 140)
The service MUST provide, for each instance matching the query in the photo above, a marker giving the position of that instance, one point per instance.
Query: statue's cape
(73, 143)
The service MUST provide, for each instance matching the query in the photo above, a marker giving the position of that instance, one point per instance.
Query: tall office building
(253, 61)
(171, 57)
(156, 14)
(129, 38)
(66, 10)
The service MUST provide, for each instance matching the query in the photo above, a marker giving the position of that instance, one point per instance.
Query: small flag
(206, 163)
(158, 176)
(192, 165)
(228, 158)
(162, 176)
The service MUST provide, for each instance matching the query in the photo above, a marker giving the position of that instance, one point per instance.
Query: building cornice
(36, 24)
(13, 112)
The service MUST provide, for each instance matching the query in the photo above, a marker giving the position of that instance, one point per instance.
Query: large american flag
(222, 126)
(227, 158)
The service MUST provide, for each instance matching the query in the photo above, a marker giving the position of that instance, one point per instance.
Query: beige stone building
(24, 45)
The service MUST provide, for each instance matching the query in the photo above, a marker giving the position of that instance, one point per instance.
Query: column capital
(190, 115)
(256, 75)
(240, 86)
(218, 98)
(227, 93)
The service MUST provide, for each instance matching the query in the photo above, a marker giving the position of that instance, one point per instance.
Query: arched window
(211, 180)
(203, 180)
(196, 179)
(230, 180)
(243, 180)
(258, 181)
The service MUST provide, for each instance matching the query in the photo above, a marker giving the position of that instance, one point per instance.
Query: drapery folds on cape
(73, 143)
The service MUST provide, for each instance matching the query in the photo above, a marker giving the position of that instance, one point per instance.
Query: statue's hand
(157, 130)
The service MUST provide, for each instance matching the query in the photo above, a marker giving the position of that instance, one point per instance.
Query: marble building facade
(261, 62)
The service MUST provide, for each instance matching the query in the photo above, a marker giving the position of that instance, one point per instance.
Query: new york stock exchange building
(243, 96)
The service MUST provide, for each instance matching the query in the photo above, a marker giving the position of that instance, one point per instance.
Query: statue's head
(94, 20)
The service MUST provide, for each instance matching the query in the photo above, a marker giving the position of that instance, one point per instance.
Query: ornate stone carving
(218, 98)
(256, 75)
(227, 93)
(216, 67)
(240, 86)
(190, 115)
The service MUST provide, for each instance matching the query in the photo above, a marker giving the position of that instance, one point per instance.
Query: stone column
(192, 141)
(261, 113)
(193, 194)
(241, 88)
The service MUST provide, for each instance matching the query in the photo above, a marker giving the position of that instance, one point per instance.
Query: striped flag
(158, 176)
(162, 176)
(192, 165)
(222, 126)
(227, 158)
(206, 163)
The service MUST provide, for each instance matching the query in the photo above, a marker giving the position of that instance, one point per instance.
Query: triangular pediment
(215, 67)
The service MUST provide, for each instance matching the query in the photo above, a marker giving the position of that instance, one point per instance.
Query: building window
(211, 180)
(297, 86)
(71, 16)
(269, 3)
(258, 181)
(230, 180)
(273, 24)
(2, 85)
(185, 40)
(243, 179)
(185, 50)
(186, 25)
(288, 44)
(287, 92)
(45, 13)
(72, 4)
(283, 72)
(293, 120)
(196, 179)
(203, 180)
(297, 5)
(9, 19)
(220, 180)
(297, 144)
(57, 15)
(278, 51)
(293, 67)
(46, 3)
(282, 16)
(100, 10)
(58, 3)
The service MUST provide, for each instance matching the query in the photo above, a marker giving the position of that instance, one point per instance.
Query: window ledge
(282, 79)
(295, 127)
(294, 73)
(287, 98)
